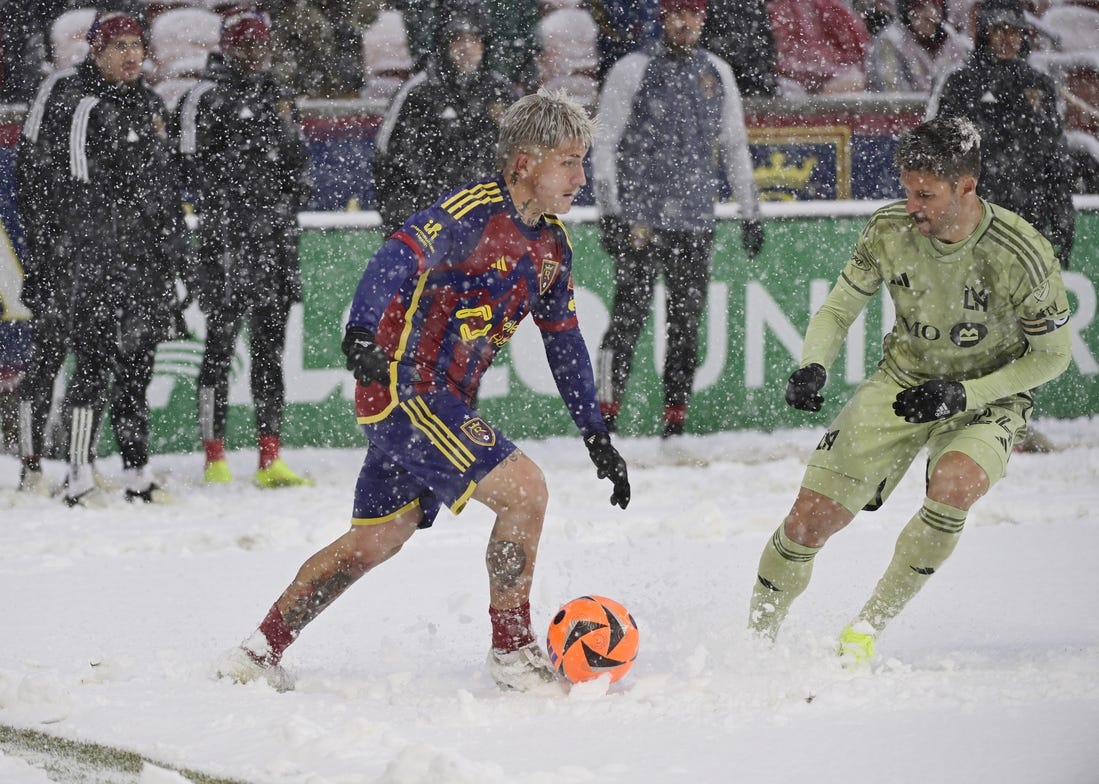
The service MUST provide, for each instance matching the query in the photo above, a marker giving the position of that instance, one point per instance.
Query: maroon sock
(215, 449)
(268, 450)
(278, 634)
(511, 628)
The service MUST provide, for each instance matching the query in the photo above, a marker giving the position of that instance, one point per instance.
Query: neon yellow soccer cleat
(856, 645)
(218, 473)
(278, 474)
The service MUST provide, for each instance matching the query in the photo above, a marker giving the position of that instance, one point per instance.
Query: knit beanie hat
(109, 26)
(246, 24)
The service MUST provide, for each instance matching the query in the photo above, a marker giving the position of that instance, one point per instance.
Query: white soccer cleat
(242, 664)
(521, 670)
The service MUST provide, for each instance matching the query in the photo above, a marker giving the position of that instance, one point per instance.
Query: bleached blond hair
(543, 120)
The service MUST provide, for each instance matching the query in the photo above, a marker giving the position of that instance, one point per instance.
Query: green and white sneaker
(856, 645)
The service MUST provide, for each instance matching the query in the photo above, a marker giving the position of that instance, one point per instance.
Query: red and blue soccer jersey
(447, 291)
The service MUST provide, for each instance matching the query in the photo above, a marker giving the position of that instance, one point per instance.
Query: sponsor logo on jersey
(901, 280)
(506, 333)
(479, 432)
(968, 334)
(426, 234)
(501, 265)
(828, 441)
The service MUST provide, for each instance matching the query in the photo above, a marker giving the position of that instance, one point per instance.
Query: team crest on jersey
(1041, 292)
(547, 274)
(478, 431)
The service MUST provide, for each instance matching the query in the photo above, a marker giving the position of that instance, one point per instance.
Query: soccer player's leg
(856, 465)
(966, 456)
(388, 507)
(444, 443)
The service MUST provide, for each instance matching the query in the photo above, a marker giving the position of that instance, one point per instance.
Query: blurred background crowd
(364, 48)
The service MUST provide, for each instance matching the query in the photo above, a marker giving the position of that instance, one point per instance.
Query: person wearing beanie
(1026, 167)
(122, 218)
(663, 113)
(439, 129)
(914, 51)
(246, 167)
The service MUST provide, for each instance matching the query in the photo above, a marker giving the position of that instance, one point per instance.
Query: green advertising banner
(751, 340)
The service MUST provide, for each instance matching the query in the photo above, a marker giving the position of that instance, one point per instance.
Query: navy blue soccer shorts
(428, 451)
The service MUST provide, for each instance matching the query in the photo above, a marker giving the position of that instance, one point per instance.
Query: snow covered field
(113, 620)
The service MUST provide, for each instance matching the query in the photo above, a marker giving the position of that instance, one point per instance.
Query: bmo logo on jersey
(968, 334)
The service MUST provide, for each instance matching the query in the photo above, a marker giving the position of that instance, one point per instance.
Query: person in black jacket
(45, 272)
(1025, 165)
(123, 221)
(246, 166)
(440, 129)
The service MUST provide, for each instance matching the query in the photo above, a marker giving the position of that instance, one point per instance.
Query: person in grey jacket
(670, 125)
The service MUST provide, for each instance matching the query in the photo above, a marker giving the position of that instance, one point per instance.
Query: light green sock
(784, 571)
(923, 546)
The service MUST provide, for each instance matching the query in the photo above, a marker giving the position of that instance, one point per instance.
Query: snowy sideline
(113, 620)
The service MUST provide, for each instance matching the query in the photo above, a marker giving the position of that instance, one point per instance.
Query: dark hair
(946, 147)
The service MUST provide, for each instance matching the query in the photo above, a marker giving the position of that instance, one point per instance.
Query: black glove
(803, 388)
(365, 358)
(751, 237)
(929, 401)
(609, 464)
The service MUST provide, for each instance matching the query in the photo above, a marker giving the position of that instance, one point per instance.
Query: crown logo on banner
(777, 174)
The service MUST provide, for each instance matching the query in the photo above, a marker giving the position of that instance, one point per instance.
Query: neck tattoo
(526, 215)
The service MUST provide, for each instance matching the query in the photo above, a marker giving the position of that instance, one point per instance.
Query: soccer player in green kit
(980, 316)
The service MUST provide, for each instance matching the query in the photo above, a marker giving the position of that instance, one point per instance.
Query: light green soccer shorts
(867, 449)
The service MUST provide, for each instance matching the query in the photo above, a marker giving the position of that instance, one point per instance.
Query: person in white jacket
(671, 126)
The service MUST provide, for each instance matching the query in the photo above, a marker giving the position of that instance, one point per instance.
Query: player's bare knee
(957, 480)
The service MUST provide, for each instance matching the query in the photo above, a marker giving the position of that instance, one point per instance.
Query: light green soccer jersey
(987, 311)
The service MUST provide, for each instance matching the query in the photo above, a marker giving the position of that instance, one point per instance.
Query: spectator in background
(876, 15)
(624, 26)
(1025, 164)
(820, 46)
(317, 45)
(1025, 160)
(440, 129)
(122, 217)
(512, 39)
(910, 54)
(245, 161)
(739, 32)
(40, 173)
(24, 44)
(664, 115)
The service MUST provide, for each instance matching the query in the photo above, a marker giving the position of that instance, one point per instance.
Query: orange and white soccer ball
(592, 636)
